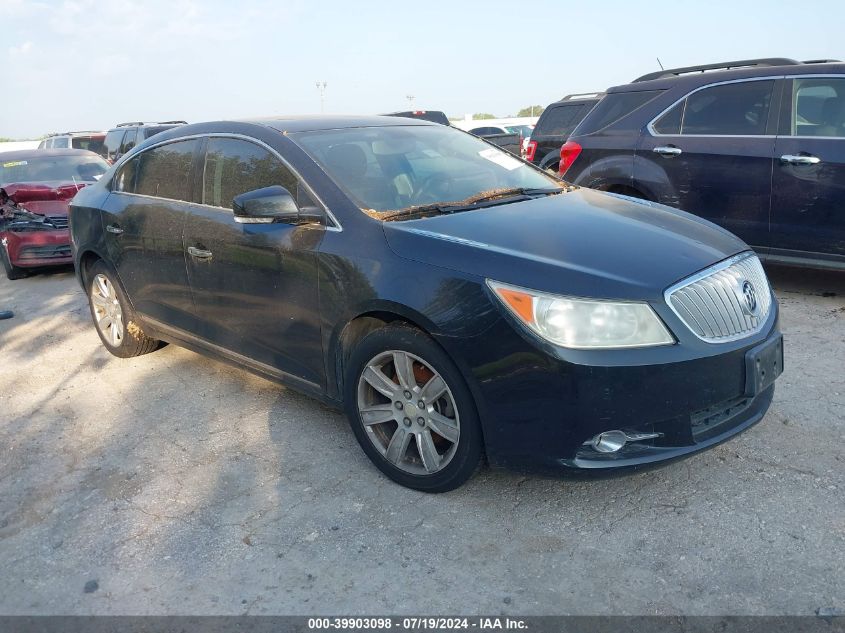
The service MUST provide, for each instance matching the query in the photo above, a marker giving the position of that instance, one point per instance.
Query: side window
(818, 107)
(61, 142)
(128, 141)
(233, 166)
(111, 144)
(670, 123)
(483, 131)
(729, 109)
(165, 171)
(124, 181)
(559, 120)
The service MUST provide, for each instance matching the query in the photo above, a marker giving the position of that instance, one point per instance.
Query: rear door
(808, 183)
(143, 219)
(711, 155)
(254, 285)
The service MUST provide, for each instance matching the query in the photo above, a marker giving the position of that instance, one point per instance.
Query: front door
(254, 286)
(808, 184)
(143, 219)
(711, 155)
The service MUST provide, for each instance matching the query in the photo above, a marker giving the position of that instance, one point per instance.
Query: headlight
(584, 323)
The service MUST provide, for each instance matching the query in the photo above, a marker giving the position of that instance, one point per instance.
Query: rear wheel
(12, 272)
(411, 410)
(116, 322)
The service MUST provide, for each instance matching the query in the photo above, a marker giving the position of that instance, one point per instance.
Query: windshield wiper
(489, 199)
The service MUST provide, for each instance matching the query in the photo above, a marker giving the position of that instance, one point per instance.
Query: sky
(89, 64)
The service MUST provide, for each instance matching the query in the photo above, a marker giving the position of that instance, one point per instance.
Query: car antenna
(660, 63)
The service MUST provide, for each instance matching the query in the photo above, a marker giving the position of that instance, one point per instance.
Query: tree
(535, 110)
(483, 115)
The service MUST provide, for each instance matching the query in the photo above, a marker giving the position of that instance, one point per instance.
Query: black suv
(124, 136)
(757, 146)
(554, 127)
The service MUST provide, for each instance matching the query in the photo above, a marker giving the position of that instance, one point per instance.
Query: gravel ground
(174, 484)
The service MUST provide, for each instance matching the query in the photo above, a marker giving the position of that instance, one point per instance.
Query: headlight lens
(584, 323)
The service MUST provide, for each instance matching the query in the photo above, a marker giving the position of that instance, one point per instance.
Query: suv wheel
(411, 411)
(114, 318)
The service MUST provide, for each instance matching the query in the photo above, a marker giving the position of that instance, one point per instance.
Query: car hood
(582, 243)
(21, 192)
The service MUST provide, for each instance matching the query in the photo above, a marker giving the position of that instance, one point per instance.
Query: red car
(35, 188)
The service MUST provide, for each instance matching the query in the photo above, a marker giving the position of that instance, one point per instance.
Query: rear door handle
(198, 253)
(795, 159)
(667, 150)
(114, 228)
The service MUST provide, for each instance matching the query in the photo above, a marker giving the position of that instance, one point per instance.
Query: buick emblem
(749, 297)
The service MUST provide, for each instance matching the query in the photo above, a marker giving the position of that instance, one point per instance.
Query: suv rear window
(614, 107)
(559, 120)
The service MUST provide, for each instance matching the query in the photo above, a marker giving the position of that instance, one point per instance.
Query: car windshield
(524, 130)
(52, 168)
(405, 168)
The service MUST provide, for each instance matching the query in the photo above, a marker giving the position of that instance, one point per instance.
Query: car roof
(694, 78)
(311, 123)
(41, 153)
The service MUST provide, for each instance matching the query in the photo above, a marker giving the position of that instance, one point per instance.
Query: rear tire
(12, 272)
(411, 411)
(114, 319)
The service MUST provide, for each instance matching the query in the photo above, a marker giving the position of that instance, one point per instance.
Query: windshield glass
(51, 168)
(387, 169)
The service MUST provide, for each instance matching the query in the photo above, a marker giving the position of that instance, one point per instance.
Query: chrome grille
(59, 221)
(725, 302)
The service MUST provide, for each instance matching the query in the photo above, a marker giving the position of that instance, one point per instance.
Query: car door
(711, 154)
(143, 218)
(808, 182)
(254, 285)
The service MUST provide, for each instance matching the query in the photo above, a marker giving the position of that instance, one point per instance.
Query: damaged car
(35, 187)
(458, 302)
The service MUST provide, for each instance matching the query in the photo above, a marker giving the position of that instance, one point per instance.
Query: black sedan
(455, 300)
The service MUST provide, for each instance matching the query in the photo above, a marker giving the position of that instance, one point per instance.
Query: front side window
(165, 171)
(818, 107)
(234, 166)
(735, 109)
(397, 168)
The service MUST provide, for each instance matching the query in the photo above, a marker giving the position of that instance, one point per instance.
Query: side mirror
(269, 204)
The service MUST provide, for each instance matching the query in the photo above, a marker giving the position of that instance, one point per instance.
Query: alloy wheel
(107, 311)
(408, 412)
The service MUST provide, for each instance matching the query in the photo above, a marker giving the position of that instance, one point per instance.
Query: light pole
(321, 86)
(410, 99)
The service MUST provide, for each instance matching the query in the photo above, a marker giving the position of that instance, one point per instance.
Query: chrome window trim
(650, 125)
(335, 226)
(707, 272)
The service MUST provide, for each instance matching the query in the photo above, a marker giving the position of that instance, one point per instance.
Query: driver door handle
(795, 159)
(114, 228)
(667, 150)
(198, 253)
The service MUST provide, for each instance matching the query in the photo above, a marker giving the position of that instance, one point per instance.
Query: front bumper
(32, 249)
(540, 409)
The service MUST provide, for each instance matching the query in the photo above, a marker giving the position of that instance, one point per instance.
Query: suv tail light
(530, 150)
(568, 153)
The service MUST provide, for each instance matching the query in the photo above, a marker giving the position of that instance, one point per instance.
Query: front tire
(411, 411)
(115, 320)
(12, 272)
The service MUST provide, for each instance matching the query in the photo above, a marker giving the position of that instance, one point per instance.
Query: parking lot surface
(171, 483)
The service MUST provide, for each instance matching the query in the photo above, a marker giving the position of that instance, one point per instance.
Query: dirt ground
(174, 484)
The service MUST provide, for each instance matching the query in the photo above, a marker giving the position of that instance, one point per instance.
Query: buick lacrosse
(456, 301)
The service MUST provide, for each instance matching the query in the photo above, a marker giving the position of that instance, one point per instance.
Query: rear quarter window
(560, 120)
(613, 108)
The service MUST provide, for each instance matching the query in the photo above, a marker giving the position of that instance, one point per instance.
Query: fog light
(609, 441)
(612, 441)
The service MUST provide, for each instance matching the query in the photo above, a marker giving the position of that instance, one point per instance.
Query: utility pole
(321, 86)
(410, 99)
